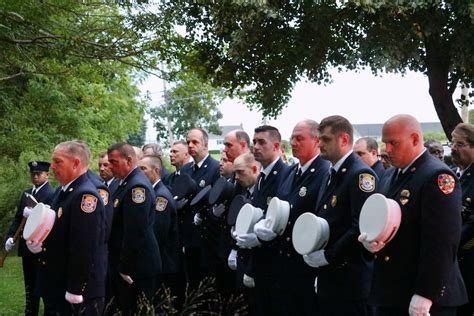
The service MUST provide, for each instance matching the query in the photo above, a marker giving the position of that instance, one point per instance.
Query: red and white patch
(446, 183)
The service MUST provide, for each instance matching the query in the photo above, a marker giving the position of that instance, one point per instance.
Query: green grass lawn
(12, 292)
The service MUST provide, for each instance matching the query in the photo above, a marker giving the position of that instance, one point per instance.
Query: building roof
(375, 130)
(224, 130)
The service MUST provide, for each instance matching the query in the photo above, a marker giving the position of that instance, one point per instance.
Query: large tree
(188, 103)
(67, 71)
(262, 48)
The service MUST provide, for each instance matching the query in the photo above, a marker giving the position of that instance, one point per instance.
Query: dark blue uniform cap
(221, 192)
(39, 166)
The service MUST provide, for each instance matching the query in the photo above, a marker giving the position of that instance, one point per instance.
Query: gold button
(288, 238)
(288, 255)
(291, 205)
(387, 258)
(281, 252)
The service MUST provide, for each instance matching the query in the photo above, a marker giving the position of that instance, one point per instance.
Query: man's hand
(372, 246)
(197, 219)
(248, 281)
(262, 230)
(9, 244)
(27, 211)
(247, 241)
(232, 260)
(73, 298)
(34, 247)
(316, 259)
(126, 278)
(419, 306)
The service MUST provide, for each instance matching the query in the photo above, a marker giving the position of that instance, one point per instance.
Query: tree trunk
(437, 61)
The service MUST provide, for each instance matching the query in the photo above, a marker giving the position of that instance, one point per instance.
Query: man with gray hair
(73, 257)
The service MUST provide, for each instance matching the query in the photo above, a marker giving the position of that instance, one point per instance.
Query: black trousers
(32, 299)
(400, 311)
(131, 298)
(59, 307)
(342, 307)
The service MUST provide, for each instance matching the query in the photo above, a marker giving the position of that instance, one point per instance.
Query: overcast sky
(360, 97)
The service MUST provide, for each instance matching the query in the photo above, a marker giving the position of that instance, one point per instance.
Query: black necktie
(332, 174)
(195, 167)
(261, 180)
(398, 175)
(106, 184)
(298, 174)
(34, 192)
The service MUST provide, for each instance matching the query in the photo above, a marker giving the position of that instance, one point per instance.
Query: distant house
(375, 130)
(216, 142)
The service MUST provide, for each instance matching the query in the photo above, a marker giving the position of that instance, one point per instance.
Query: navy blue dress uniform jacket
(45, 196)
(74, 253)
(348, 274)
(378, 169)
(301, 193)
(207, 174)
(166, 228)
(104, 193)
(422, 257)
(466, 252)
(261, 262)
(133, 247)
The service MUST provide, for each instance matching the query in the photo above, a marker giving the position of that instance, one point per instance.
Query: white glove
(232, 233)
(197, 219)
(26, 211)
(316, 259)
(262, 230)
(419, 306)
(232, 260)
(248, 281)
(126, 278)
(9, 244)
(34, 247)
(73, 298)
(373, 247)
(217, 210)
(247, 241)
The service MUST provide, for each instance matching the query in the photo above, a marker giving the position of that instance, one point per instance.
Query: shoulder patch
(138, 195)
(161, 203)
(366, 182)
(104, 195)
(446, 183)
(88, 203)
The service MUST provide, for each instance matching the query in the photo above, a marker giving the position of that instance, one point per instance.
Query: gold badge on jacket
(60, 212)
(404, 197)
(333, 201)
(303, 191)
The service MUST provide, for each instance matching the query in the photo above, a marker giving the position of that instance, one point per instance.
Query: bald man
(417, 272)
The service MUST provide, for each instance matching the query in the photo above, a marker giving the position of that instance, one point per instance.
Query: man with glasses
(462, 151)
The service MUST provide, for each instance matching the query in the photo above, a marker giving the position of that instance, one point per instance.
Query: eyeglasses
(458, 145)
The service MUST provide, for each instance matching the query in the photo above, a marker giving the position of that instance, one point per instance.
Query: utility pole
(465, 103)
(168, 120)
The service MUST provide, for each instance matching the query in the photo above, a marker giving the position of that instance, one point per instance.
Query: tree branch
(12, 76)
